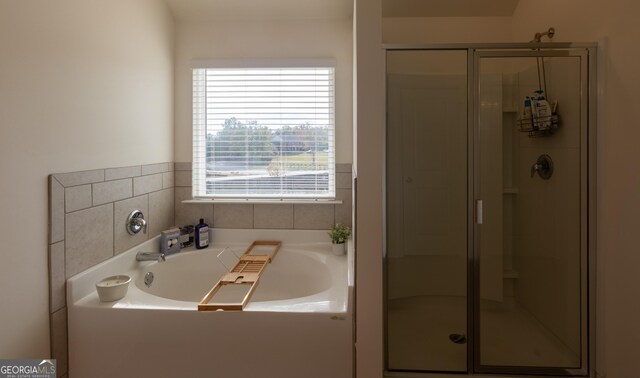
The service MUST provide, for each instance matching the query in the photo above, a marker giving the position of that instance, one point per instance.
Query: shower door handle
(479, 214)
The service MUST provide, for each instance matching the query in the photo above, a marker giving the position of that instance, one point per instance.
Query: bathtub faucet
(150, 256)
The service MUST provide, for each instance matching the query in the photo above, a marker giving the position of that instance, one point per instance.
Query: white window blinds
(263, 133)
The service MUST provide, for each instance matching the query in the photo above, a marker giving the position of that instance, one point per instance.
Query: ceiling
(208, 10)
(448, 8)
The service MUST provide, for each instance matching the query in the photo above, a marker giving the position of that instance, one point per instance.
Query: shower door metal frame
(587, 205)
(587, 53)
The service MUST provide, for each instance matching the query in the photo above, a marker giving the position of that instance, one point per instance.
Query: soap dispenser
(202, 235)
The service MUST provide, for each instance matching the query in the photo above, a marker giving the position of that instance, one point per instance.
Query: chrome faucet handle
(534, 168)
(136, 222)
(143, 224)
(162, 258)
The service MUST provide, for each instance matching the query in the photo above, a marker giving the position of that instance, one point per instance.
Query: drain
(458, 338)
(148, 280)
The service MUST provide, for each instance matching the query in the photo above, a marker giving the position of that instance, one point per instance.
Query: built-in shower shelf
(510, 273)
(510, 190)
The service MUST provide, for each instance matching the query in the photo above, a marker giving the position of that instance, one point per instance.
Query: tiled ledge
(266, 201)
(303, 215)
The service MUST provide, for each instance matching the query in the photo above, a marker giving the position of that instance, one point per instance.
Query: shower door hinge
(479, 211)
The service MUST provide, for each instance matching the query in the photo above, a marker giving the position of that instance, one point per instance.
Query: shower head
(549, 33)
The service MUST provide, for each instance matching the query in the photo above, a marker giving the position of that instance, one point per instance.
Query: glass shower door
(531, 243)
(487, 210)
(427, 211)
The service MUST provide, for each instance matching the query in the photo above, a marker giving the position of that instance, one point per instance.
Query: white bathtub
(297, 324)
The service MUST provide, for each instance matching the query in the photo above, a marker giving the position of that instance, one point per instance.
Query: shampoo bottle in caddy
(527, 112)
(542, 110)
(202, 235)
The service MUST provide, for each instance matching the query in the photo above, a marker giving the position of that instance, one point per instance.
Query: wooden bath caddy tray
(246, 273)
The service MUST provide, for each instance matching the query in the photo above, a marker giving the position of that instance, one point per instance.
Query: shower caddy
(546, 125)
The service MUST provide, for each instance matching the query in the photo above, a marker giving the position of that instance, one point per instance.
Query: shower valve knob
(534, 169)
(543, 166)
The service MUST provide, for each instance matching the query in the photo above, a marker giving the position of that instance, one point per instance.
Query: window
(264, 133)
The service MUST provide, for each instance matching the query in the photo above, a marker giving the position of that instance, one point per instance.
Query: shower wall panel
(547, 212)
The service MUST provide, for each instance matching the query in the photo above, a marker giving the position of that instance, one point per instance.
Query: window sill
(267, 201)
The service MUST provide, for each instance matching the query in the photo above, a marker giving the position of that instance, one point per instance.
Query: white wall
(445, 29)
(369, 129)
(615, 24)
(264, 39)
(83, 84)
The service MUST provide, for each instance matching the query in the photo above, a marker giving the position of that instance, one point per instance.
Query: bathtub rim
(81, 291)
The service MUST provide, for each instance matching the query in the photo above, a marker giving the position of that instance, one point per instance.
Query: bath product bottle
(202, 234)
(187, 236)
(527, 113)
(542, 111)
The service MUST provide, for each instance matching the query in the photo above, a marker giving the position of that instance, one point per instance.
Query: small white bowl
(113, 288)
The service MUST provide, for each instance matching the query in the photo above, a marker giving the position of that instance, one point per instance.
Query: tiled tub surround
(88, 211)
(264, 216)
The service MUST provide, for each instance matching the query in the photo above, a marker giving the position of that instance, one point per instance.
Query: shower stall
(490, 209)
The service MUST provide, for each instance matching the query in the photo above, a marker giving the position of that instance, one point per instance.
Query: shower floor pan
(419, 330)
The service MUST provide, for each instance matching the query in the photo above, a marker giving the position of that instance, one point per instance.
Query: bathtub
(297, 324)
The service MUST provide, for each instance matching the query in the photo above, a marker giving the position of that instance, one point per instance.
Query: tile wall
(285, 216)
(87, 215)
(88, 210)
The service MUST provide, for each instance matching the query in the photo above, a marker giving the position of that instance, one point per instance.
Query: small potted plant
(339, 235)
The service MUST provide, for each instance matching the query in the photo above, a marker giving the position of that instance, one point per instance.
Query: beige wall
(83, 84)
(445, 29)
(269, 39)
(615, 25)
(369, 159)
